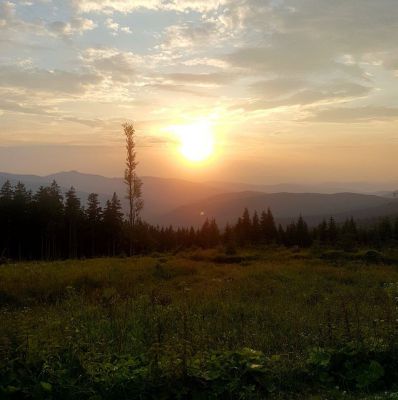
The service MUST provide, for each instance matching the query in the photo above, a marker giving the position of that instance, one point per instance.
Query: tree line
(50, 224)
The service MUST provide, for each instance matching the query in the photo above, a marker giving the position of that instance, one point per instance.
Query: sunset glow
(196, 140)
(300, 91)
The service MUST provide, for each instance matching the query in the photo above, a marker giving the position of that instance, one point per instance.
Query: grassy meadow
(270, 323)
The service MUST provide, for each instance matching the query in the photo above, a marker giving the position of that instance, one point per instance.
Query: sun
(196, 140)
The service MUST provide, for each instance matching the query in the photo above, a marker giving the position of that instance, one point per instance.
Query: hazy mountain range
(180, 202)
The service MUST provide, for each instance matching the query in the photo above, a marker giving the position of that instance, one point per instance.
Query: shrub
(373, 257)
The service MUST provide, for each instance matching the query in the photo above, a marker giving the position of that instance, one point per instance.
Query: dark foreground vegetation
(48, 225)
(206, 324)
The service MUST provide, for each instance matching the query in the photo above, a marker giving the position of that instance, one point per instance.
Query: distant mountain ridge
(182, 203)
(285, 206)
(381, 189)
(161, 195)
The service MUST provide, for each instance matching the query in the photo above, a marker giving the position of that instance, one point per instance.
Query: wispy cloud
(354, 115)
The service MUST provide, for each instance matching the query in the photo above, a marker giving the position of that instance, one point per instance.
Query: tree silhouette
(332, 231)
(113, 223)
(43, 226)
(21, 217)
(255, 229)
(72, 220)
(268, 227)
(132, 181)
(49, 213)
(6, 220)
(94, 216)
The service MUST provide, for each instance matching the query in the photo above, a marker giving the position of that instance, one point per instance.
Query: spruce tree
(49, 215)
(72, 219)
(268, 227)
(396, 229)
(93, 215)
(323, 233)
(255, 229)
(303, 238)
(6, 191)
(332, 231)
(113, 223)
(245, 228)
(6, 225)
(22, 213)
(386, 230)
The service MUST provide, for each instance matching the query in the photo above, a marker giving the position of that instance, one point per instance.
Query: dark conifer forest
(49, 225)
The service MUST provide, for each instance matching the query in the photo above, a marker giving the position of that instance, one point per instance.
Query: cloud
(277, 87)
(314, 36)
(30, 106)
(178, 88)
(7, 12)
(115, 28)
(201, 78)
(75, 26)
(43, 80)
(9, 21)
(112, 63)
(294, 92)
(13, 106)
(188, 35)
(354, 115)
(112, 25)
(289, 55)
(128, 6)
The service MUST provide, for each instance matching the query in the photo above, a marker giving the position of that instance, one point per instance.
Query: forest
(49, 225)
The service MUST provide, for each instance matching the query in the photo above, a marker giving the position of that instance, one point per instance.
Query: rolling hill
(182, 203)
(160, 195)
(285, 207)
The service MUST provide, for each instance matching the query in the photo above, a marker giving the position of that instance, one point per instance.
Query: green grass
(148, 327)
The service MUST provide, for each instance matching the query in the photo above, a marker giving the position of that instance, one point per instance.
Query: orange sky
(299, 91)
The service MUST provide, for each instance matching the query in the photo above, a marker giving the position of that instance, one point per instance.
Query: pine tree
(133, 182)
(6, 191)
(396, 229)
(244, 229)
(281, 235)
(291, 234)
(93, 215)
(72, 219)
(228, 236)
(268, 227)
(332, 231)
(386, 230)
(255, 229)
(21, 194)
(22, 208)
(303, 238)
(6, 225)
(214, 233)
(113, 223)
(49, 213)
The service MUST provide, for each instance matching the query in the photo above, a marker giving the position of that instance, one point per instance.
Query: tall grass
(167, 310)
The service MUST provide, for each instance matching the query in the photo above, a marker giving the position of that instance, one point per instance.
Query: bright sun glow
(197, 141)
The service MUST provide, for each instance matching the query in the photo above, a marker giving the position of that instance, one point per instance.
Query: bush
(354, 367)
(373, 257)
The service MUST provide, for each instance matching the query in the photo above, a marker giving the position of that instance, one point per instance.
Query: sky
(293, 90)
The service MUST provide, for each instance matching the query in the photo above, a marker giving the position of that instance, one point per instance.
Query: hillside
(285, 206)
(181, 203)
(160, 195)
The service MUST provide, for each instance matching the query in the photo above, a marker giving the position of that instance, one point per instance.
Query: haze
(294, 90)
